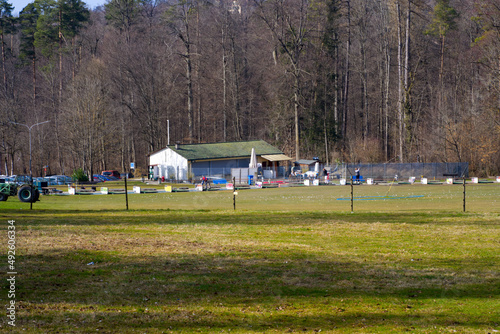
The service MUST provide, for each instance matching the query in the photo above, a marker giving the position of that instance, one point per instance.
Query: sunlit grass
(479, 198)
(287, 260)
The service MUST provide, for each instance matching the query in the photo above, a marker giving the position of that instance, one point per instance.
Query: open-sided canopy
(276, 157)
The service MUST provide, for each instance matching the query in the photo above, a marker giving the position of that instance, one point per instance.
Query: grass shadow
(268, 290)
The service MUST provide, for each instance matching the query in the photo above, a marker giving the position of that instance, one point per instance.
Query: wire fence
(405, 170)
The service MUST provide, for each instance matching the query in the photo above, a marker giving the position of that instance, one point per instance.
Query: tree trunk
(236, 93)
(441, 72)
(224, 96)
(400, 85)
(406, 99)
(34, 81)
(189, 78)
(197, 71)
(296, 114)
(59, 150)
(103, 154)
(133, 150)
(386, 102)
(325, 123)
(336, 95)
(224, 31)
(347, 74)
(60, 57)
(3, 62)
(387, 76)
(364, 87)
(123, 138)
(11, 163)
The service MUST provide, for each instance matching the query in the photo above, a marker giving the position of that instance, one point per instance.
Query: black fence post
(464, 192)
(234, 193)
(126, 193)
(352, 194)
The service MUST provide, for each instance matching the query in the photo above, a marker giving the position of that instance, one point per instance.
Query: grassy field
(286, 260)
(480, 198)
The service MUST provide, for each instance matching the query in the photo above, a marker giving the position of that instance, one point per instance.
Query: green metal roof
(208, 151)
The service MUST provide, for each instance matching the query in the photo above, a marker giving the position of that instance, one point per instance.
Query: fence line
(391, 171)
(386, 171)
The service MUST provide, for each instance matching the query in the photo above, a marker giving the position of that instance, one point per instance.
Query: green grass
(443, 198)
(287, 260)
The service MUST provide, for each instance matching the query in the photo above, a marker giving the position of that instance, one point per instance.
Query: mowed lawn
(286, 260)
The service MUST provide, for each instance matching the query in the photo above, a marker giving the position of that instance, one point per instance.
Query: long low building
(189, 161)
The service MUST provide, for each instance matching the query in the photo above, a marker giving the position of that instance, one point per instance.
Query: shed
(305, 165)
(187, 161)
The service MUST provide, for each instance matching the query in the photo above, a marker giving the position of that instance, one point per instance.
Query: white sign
(229, 186)
(423, 180)
(306, 182)
(369, 181)
(342, 182)
(474, 180)
(449, 181)
(137, 189)
(104, 190)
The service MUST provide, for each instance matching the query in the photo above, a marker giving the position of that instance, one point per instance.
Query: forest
(343, 80)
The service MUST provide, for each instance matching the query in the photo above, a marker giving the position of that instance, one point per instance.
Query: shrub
(79, 175)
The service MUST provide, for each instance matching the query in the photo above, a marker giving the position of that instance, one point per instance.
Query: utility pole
(31, 173)
(168, 132)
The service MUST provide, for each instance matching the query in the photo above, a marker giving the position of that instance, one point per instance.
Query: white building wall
(157, 158)
(170, 164)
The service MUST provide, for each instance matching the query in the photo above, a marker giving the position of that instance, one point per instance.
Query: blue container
(250, 180)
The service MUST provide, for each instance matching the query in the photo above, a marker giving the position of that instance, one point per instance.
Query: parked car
(58, 180)
(22, 179)
(113, 173)
(127, 175)
(9, 179)
(99, 178)
(41, 179)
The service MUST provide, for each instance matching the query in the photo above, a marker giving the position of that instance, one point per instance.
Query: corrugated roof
(276, 157)
(224, 150)
(306, 162)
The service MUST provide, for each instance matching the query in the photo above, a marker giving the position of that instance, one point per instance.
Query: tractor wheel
(3, 197)
(25, 194)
